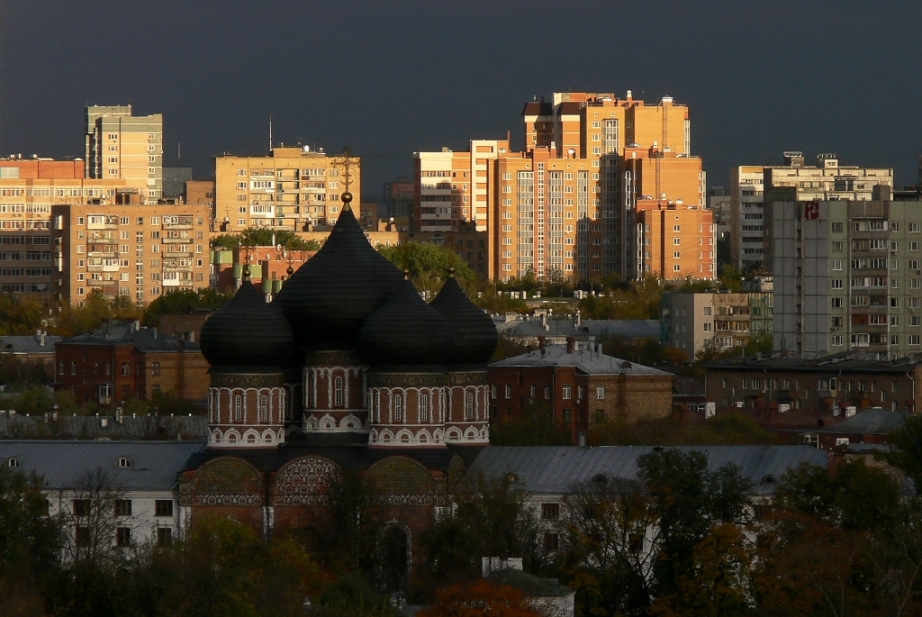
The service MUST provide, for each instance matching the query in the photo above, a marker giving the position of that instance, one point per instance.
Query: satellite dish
(278, 247)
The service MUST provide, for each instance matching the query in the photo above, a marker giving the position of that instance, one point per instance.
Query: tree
(536, 427)
(30, 544)
(350, 596)
(263, 236)
(184, 301)
(688, 500)
(74, 320)
(907, 449)
(609, 546)
(480, 597)
(429, 265)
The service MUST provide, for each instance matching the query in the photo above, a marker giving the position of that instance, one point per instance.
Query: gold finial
(290, 270)
(451, 273)
(406, 275)
(246, 272)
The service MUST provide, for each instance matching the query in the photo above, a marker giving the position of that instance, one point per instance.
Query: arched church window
(283, 403)
(423, 407)
(338, 392)
(238, 408)
(398, 408)
(469, 406)
(263, 408)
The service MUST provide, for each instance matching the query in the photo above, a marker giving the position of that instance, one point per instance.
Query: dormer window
(122, 461)
(12, 462)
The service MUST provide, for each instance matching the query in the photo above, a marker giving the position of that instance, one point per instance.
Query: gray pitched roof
(584, 360)
(154, 464)
(92, 427)
(28, 344)
(554, 469)
(874, 421)
(128, 333)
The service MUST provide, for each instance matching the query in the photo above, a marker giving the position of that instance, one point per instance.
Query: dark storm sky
(389, 78)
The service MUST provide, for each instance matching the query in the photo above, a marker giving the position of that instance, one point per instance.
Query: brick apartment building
(826, 386)
(129, 250)
(582, 388)
(122, 361)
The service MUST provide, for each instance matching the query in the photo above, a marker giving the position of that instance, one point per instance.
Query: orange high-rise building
(574, 203)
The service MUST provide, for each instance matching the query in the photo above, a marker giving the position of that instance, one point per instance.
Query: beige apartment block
(693, 322)
(453, 187)
(293, 188)
(128, 250)
(120, 145)
(28, 189)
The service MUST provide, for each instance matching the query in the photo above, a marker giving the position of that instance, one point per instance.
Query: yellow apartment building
(120, 145)
(127, 249)
(293, 188)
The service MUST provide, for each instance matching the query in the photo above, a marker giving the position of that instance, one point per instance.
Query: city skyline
(389, 80)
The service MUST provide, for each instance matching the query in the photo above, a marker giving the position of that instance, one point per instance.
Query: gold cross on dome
(346, 161)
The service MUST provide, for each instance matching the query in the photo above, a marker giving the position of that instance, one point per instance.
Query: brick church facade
(347, 370)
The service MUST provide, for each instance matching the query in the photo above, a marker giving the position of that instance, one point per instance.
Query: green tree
(184, 301)
(536, 427)
(907, 449)
(263, 236)
(429, 265)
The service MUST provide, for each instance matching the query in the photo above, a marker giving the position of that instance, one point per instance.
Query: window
(547, 392)
(567, 416)
(163, 507)
(424, 407)
(82, 537)
(238, 408)
(123, 462)
(566, 392)
(707, 310)
(551, 541)
(836, 284)
(338, 391)
(81, 507)
(164, 536)
(600, 416)
(550, 511)
(469, 406)
(838, 228)
(122, 507)
(155, 368)
(914, 339)
(123, 536)
(126, 368)
(706, 327)
(264, 408)
(600, 392)
(508, 391)
(836, 302)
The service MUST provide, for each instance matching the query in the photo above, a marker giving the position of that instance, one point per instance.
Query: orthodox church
(347, 368)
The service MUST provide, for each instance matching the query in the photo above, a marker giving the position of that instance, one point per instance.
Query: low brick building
(581, 388)
(122, 360)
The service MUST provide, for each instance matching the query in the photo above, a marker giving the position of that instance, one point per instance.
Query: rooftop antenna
(270, 132)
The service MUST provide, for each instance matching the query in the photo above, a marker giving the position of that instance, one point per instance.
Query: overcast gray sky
(389, 78)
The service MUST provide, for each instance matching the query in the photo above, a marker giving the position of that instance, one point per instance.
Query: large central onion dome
(405, 332)
(328, 297)
(247, 332)
(475, 335)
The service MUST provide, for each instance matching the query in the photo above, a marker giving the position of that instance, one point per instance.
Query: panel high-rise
(120, 145)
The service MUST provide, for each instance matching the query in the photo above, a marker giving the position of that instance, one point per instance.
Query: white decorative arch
(423, 436)
(251, 437)
(351, 421)
(438, 435)
(453, 434)
(327, 423)
(268, 437)
(216, 436)
(404, 436)
(232, 437)
(485, 431)
(386, 436)
(470, 433)
(310, 423)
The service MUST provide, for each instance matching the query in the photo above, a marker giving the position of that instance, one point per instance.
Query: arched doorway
(394, 558)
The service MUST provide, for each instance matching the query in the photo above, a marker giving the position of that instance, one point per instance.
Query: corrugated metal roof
(125, 333)
(28, 344)
(869, 422)
(154, 465)
(584, 360)
(599, 328)
(554, 469)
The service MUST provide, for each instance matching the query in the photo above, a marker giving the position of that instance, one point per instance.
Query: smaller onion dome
(405, 331)
(475, 335)
(247, 332)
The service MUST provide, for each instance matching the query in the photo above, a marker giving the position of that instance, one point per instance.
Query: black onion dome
(475, 335)
(405, 331)
(247, 332)
(326, 300)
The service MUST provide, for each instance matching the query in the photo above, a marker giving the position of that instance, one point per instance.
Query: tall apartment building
(399, 202)
(603, 186)
(120, 145)
(826, 180)
(28, 189)
(129, 250)
(293, 188)
(452, 187)
(848, 275)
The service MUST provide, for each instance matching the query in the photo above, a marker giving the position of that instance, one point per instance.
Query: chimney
(578, 320)
(581, 439)
(155, 333)
(570, 341)
(541, 340)
(544, 319)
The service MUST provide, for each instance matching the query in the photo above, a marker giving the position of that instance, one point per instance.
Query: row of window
(566, 392)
